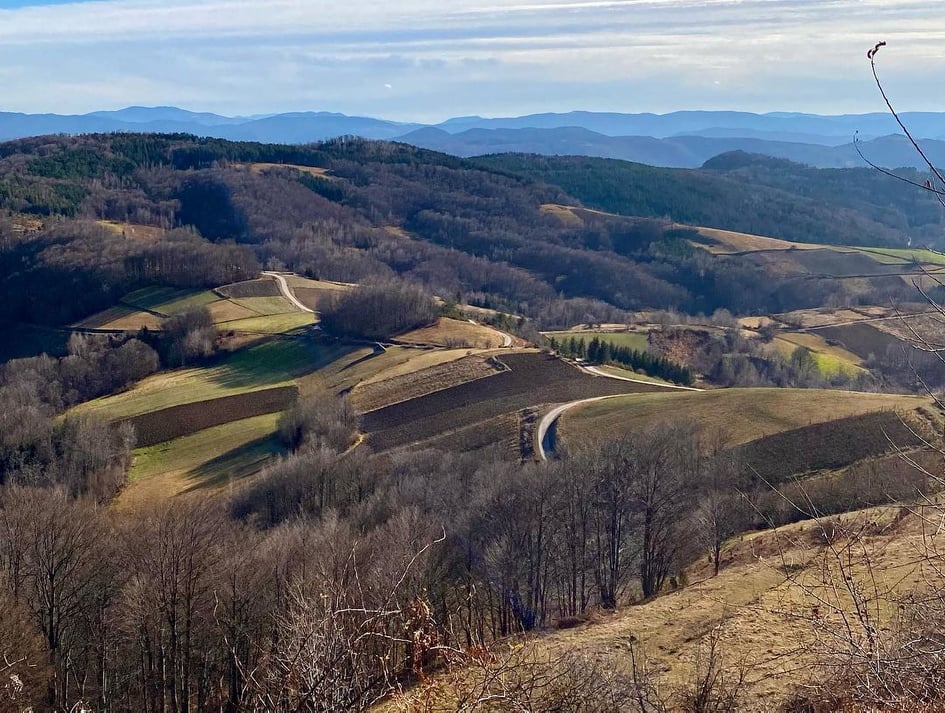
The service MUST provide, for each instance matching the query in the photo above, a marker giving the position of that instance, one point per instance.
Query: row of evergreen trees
(600, 351)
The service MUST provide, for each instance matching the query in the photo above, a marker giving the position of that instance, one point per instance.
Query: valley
(386, 352)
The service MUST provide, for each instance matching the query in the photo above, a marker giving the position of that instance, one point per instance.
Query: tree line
(601, 351)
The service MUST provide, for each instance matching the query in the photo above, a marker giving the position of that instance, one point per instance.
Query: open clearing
(167, 301)
(742, 414)
(831, 444)
(134, 231)
(273, 363)
(908, 255)
(836, 260)
(311, 170)
(349, 369)
(862, 339)
(565, 213)
(254, 306)
(627, 374)
(210, 459)
(313, 293)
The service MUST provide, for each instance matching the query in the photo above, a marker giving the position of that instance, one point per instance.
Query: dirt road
(287, 292)
(545, 433)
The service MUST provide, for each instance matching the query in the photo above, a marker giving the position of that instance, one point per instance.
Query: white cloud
(266, 55)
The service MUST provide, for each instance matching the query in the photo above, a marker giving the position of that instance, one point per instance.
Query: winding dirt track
(287, 292)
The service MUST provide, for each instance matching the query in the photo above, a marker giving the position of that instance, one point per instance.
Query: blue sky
(427, 60)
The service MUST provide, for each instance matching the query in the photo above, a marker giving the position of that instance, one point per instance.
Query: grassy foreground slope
(743, 414)
(768, 609)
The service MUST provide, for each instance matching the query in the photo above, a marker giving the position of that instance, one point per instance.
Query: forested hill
(90, 218)
(749, 193)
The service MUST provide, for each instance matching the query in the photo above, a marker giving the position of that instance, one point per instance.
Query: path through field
(545, 435)
(506, 338)
(287, 293)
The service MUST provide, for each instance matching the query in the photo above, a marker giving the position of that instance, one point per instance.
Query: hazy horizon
(424, 61)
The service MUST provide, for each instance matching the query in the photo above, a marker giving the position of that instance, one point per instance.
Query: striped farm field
(531, 379)
(168, 301)
(185, 419)
(277, 362)
(270, 324)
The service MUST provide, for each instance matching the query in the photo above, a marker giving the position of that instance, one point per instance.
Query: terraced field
(313, 293)
(263, 287)
(833, 260)
(122, 317)
(727, 242)
(532, 379)
(270, 324)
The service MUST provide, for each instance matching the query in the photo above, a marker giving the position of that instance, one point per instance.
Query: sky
(428, 60)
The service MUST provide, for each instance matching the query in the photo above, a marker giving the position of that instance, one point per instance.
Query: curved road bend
(543, 435)
(286, 292)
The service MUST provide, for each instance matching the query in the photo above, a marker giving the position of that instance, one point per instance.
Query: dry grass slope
(743, 414)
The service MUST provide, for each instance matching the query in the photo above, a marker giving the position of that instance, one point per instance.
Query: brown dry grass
(565, 213)
(743, 414)
(134, 231)
(823, 316)
(455, 333)
(756, 322)
(733, 242)
(397, 232)
(227, 310)
(123, 318)
(767, 606)
(311, 170)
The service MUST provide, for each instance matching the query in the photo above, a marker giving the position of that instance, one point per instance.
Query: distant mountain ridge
(684, 139)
